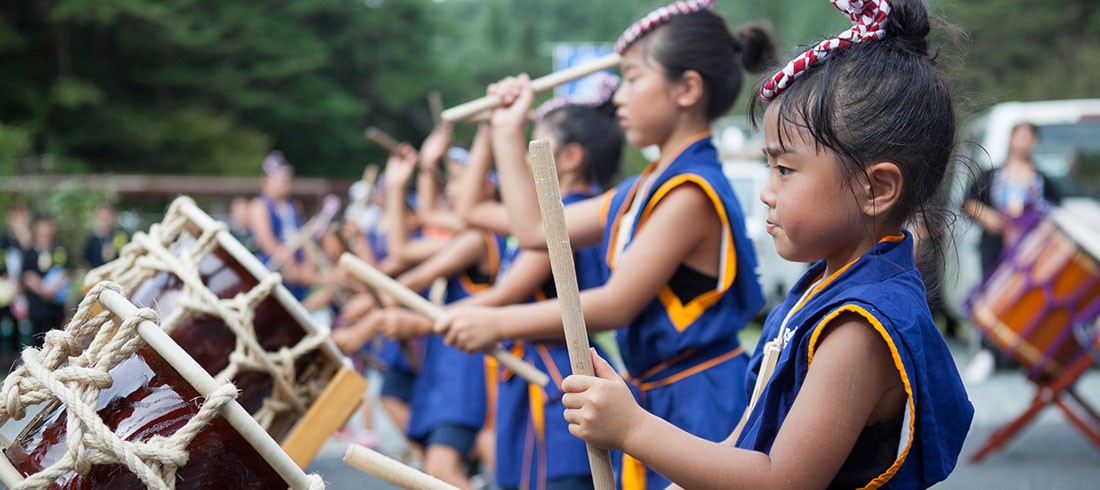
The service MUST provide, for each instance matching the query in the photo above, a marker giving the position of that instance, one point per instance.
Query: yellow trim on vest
(605, 206)
(492, 377)
(893, 469)
(682, 315)
(633, 477)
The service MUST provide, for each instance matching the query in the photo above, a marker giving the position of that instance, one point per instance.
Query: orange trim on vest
(698, 368)
(682, 315)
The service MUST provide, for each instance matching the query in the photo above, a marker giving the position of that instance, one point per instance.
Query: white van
(1068, 154)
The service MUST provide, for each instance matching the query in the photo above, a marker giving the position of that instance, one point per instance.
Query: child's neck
(571, 182)
(842, 258)
(683, 133)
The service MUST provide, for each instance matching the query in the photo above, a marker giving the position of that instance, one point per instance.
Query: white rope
(166, 249)
(64, 371)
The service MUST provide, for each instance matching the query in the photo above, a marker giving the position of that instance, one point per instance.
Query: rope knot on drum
(64, 370)
(172, 247)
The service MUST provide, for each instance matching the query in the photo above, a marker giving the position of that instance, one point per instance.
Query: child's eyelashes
(776, 167)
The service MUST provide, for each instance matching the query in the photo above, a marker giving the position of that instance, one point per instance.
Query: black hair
(882, 101)
(701, 42)
(597, 132)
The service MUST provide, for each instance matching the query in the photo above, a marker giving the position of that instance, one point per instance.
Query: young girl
(680, 269)
(852, 385)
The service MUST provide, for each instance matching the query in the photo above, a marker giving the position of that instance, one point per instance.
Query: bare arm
(471, 203)
(645, 267)
(989, 218)
(528, 274)
(427, 183)
(460, 253)
(403, 252)
(517, 184)
(852, 372)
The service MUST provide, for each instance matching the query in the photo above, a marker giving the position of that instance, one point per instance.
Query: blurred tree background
(208, 87)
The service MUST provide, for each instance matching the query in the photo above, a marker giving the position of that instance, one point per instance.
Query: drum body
(236, 320)
(1030, 303)
(147, 398)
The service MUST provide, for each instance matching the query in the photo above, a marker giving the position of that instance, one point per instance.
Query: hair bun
(757, 46)
(908, 25)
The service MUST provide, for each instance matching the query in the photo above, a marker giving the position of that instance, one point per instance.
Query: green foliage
(205, 86)
(72, 207)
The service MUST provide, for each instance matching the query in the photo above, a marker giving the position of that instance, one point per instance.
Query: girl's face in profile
(646, 109)
(812, 209)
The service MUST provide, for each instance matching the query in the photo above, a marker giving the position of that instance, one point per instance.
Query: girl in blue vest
(851, 386)
(534, 448)
(274, 219)
(449, 397)
(680, 270)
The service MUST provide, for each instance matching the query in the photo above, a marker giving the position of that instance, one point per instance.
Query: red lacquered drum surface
(147, 398)
(209, 341)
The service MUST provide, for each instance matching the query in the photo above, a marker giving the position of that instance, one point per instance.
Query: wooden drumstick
(541, 84)
(394, 148)
(565, 281)
(373, 463)
(205, 384)
(435, 105)
(409, 299)
(384, 140)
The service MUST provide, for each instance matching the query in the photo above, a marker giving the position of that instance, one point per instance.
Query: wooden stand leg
(1046, 394)
(329, 412)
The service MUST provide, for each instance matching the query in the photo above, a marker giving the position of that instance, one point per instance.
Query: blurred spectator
(238, 224)
(13, 306)
(274, 220)
(106, 239)
(45, 278)
(1008, 200)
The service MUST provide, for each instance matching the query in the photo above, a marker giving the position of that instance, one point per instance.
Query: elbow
(530, 236)
(604, 312)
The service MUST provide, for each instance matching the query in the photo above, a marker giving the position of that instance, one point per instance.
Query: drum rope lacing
(64, 371)
(147, 255)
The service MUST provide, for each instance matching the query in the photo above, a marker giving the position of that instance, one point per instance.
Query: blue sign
(567, 55)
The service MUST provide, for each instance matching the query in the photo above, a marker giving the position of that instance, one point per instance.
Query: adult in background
(45, 278)
(13, 306)
(106, 239)
(274, 219)
(239, 209)
(1007, 201)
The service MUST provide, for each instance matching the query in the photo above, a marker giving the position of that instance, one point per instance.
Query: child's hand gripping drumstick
(565, 280)
(409, 299)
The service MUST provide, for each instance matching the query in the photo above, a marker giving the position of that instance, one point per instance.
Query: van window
(1069, 154)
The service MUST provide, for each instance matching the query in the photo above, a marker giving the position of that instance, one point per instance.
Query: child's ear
(570, 158)
(690, 89)
(882, 189)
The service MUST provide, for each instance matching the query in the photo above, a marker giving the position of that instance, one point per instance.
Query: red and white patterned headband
(868, 24)
(605, 89)
(658, 17)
